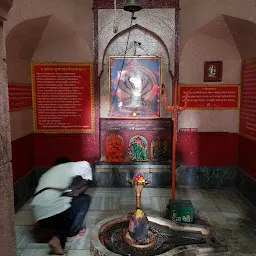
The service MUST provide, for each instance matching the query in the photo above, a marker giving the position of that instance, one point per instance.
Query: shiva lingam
(138, 234)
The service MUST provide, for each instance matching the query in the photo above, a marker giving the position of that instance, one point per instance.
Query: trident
(175, 108)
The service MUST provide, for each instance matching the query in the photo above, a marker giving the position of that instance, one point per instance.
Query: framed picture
(212, 71)
(135, 86)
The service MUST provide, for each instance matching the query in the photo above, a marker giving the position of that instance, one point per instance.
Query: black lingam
(138, 225)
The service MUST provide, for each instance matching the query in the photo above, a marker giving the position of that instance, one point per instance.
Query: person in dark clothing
(67, 225)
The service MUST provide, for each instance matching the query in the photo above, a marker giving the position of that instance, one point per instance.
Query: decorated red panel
(210, 96)
(248, 101)
(142, 139)
(114, 147)
(63, 97)
(20, 96)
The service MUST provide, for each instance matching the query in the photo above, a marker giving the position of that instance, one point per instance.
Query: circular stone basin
(109, 237)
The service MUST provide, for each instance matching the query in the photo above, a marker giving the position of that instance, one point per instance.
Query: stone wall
(7, 233)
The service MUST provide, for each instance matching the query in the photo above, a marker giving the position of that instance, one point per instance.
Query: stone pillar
(7, 231)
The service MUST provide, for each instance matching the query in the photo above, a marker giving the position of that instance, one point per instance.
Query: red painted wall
(207, 148)
(41, 150)
(22, 157)
(247, 156)
(194, 149)
(47, 147)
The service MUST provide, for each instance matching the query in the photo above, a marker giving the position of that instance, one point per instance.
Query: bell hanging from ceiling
(132, 5)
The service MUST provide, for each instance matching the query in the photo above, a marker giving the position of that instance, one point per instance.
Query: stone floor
(222, 210)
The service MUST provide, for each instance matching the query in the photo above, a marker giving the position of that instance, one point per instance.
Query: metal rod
(174, 141)
(114, 27)
(138, 199)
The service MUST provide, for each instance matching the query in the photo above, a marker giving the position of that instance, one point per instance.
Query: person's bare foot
(55, 246)
(78, 236)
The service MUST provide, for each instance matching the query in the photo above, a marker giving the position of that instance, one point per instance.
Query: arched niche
(213, 41)
(5, 6)
(43, 39)
(21, 43)
(224, 38)
(142, 42)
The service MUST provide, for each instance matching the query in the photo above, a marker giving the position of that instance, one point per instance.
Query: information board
(248, 100)
(63, 99)
(209, 96)
(20, 96)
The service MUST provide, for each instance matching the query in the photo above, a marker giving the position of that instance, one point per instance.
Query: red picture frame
(212, 71)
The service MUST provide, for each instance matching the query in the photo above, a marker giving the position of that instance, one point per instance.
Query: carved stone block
(5, 136)
(7, 235)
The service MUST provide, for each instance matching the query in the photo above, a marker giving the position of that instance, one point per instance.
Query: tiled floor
(222, 210)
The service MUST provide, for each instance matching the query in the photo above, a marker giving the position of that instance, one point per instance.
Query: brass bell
(132, 6)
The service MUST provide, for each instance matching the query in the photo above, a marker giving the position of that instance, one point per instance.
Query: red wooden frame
(212, 71)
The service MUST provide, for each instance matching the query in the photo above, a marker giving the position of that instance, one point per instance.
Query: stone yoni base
(173, 239)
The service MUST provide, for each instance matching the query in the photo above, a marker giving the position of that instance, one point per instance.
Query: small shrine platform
(117, 174)
(109, 174)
